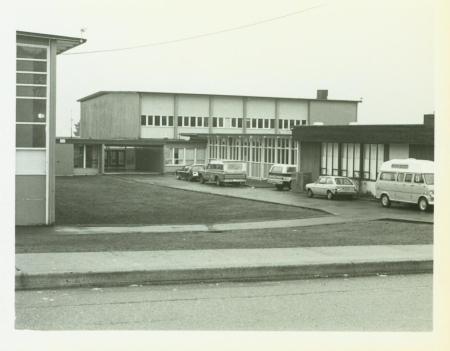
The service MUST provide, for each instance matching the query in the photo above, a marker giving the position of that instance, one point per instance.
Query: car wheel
(218, 182)
(309, 193)
(202, 180)
(385, 202)
(189, 178)
(178, 177)
(288, 185)
(330, 195)
(279, 186)
(423, 204)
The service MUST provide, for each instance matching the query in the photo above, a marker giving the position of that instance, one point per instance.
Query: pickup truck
(224, 172)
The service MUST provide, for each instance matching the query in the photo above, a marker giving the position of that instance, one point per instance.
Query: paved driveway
(342, 207)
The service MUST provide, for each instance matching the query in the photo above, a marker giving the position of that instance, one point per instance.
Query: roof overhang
(369, 134)
(120, 142)
(63, 43)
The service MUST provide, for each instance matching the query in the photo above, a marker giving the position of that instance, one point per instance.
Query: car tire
(330, 195)
(279, 186)
(178, 177)
(309, 193)
(202, 180)
(189, 178)
(385, 202)
(423, 204)
(218, 182)
(289, 185)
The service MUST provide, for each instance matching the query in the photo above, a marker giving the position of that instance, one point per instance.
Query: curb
(215, 275)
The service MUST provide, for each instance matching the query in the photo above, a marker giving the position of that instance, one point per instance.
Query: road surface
(380, 303)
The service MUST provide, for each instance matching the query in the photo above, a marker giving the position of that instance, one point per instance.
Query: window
(205, 121)
(30, 135)
(247, 123)
(157, 121)
(186, 121)
(280, 124)
(330, 181)
(214, 121)
(171, 121)
(266, 123)
(373, 157)
(164, 120)
(408, 177)
(220, 122)
(276, 169)
(303, 122)
(180, 121)
(429, 178)
(178, 156)
(291, 123)
(272, 123)
(31, 110)
(388, 176)
(400, 177)
(418, 178)
(150, 120)
(190, 155)
(192, 122)
(143, 120)
(199, 121)
(31, 96)
(322, 180)
(260, 122)
(343, 181)
(285, 124)
(233, 122)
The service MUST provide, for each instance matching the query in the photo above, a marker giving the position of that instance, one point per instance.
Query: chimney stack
(428, 120)
(322, 94)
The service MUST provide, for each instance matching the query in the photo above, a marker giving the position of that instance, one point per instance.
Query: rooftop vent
(322, 94)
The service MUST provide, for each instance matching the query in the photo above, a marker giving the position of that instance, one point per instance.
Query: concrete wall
(111, 116)
(399, 151)
(64, 159)
(30, 199)
(332, 112)
(293, 109)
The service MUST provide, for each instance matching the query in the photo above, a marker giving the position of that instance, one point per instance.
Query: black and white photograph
(227, 166)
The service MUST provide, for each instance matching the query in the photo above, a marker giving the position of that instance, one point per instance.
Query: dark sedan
(190, 172)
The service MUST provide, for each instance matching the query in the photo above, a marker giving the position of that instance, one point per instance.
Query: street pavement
(381, 303)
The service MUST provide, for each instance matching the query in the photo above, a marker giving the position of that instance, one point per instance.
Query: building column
(262, 158)
(84, 155)
(276, 150)
(290, 161)
(102, 158)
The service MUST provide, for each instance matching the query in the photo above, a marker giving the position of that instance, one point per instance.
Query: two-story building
(123, 131)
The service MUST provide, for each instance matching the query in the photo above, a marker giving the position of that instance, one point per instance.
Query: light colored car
(331, 187)
(407, 181)
(281, 176)
(224, 172)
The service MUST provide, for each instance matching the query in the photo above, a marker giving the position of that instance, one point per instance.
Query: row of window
(218, 122)
(406, 177)
(352, 160)
(184, 156)
(31, 96)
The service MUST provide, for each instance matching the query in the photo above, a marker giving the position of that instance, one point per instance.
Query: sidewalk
(95, 269)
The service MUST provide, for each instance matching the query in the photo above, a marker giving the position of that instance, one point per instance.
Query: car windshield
(429, 178)
(343, 181)
(234, 166)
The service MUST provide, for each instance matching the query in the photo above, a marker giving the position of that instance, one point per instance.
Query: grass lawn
(108, 200)
(358, 233)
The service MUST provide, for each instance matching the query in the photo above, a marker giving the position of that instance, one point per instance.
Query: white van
(408, 180)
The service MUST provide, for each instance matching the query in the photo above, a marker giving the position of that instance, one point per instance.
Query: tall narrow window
(143, 120)
(266, 123)
(192, 122)
(157, 121)
(199, 121)
(186, 121)
(239, 122)
(180, 121)
(170, 121)
(164, 121)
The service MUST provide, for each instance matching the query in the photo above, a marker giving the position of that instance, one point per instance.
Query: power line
(197, 36)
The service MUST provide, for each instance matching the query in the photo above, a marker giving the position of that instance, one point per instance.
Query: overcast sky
(380, 51)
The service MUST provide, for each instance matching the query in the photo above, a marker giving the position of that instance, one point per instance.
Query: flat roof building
(35, 124)
(123, 131)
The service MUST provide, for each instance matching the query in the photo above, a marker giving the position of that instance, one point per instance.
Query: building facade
(35, 124)
(159, 132)
(357, 151)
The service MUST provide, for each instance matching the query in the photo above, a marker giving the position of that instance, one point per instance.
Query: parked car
(331, 187)
(281, 176)
(224, 172)
(190, 172)
(408, 181)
